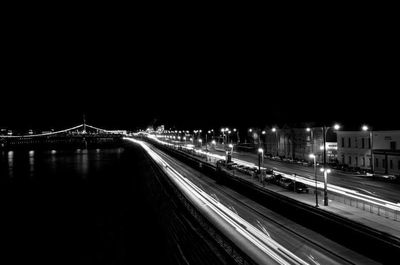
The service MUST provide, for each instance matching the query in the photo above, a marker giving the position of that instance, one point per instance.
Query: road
(306, 244)
(384, 190)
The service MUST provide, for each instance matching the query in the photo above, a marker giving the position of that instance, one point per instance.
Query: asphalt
(380, 189)
(303, 242)
(385, 190)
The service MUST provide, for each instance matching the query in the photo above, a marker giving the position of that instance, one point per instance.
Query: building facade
(362, 148)
(354, 149)
(299, 143)
(386, 152)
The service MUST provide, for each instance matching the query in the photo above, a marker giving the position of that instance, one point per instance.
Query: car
(269, 171)
(277, 178)
(298, 187)
(284, 182)
(384, 177)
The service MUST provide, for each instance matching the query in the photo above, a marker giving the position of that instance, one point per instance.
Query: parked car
(277, 178)
(384, 177)
(284, 182)
(298, 187)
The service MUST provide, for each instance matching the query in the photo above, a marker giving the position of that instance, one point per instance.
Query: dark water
(76, 207)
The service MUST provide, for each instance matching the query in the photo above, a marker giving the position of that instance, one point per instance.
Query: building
(354, 150)
(386, 152)
(299, 143)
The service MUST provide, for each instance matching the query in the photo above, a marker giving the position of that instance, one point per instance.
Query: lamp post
(310, 130)
(260, 158)
(315, 177)
(371, 144)
(326, 172)
(276, 139)
(325, 130)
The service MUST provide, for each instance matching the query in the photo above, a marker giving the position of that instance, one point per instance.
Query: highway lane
(306, 244)
(380, 189)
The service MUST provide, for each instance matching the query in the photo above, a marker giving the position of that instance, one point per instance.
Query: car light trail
(244, 229)
(310, 182)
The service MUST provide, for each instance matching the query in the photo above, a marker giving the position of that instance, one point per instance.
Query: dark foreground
(91, 207)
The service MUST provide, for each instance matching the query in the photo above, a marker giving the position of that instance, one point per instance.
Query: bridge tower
(84, 124)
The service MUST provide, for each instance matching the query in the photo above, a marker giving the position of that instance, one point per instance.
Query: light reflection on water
(31, 163)
(10, 156)
(36, 163)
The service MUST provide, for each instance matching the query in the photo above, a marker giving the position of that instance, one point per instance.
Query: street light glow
(273, 129)
(263, 132)
(250, 130)
(328, 170)
(260, 150)
(336, 126)
(311, 155)
(308, 129)
(230, 145)
(234, 129)
(213, 142)
(365, 128)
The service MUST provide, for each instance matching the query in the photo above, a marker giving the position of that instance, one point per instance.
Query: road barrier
(373, 243)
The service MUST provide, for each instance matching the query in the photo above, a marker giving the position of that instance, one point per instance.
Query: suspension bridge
(82, 135)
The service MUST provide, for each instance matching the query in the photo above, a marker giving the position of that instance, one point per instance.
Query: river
(77, 207)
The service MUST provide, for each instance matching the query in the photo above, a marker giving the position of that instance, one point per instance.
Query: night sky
(131, 75)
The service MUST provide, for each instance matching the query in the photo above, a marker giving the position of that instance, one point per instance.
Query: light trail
(308, 181)
(225, 216)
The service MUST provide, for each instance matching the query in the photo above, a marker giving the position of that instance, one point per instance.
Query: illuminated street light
(213, 142)
(308, 129)
(336, 126)
(260, 158)
(326, 171)
(234, 129)
(263, 132)
(250, 130)
(312, 156)
(365, 128)
(276, 139)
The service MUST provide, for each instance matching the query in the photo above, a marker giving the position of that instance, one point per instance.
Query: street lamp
(260, 158)
(315, 177)
(324, 131)
(308, 129)
(276, 139)
(231, 147)
(326, 172)
(365, 128)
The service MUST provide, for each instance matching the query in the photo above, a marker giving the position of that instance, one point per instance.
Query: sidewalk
(369, 219)
(377, 222)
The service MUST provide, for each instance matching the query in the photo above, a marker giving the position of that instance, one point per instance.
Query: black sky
(132, 73)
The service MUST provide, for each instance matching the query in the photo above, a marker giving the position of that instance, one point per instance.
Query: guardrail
(352, 198)
(375, 244)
